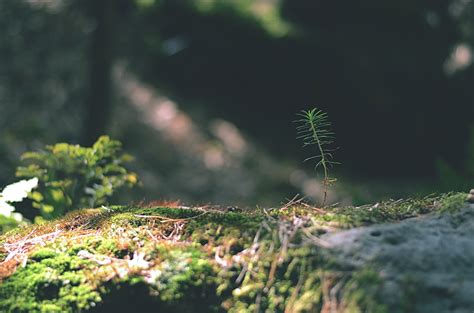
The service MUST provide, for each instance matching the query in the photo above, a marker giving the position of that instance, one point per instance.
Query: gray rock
(432, 255)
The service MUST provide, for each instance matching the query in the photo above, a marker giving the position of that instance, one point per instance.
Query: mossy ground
(175, 259)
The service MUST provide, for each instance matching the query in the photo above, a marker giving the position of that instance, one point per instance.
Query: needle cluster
(314, 129)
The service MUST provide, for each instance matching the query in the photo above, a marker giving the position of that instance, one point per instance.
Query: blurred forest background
(203, 92)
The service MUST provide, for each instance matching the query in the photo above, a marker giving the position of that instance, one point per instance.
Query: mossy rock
(177, 259)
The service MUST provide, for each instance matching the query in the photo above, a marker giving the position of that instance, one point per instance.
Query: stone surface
(427, 262)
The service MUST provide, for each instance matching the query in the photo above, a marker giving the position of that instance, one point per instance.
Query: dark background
(395, 77)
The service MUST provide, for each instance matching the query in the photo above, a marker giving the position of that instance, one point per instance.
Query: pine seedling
(314, 128)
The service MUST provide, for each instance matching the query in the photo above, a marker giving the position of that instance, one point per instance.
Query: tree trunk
(99, 105)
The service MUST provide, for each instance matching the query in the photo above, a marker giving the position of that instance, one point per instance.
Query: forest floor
(411, 255)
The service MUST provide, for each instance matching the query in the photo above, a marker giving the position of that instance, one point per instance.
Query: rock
(470, 198)
(432, 255)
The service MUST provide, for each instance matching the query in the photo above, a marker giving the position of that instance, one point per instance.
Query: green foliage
(8, 223)
(314, 129)
(72, 176)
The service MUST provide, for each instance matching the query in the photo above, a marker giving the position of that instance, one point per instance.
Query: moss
(195, 260)
(125, 219)
(46, 253)
(50, 282)
(56, 281)
(452, 202)
(391, 211)
(361, 293)
(183, 282)
(185, 277)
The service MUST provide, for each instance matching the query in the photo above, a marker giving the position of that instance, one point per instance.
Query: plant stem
(323, 159)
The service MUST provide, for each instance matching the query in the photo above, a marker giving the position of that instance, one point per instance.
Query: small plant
(71, 176)
(314, 130)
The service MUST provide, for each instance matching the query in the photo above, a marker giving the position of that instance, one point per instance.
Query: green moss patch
(50, 282)
(393, 210)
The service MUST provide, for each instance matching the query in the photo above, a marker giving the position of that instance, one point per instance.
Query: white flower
(18, 191)
(17, 217)
(5, 209)
(15, 192)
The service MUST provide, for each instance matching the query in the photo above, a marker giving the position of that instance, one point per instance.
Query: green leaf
(72, 176)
